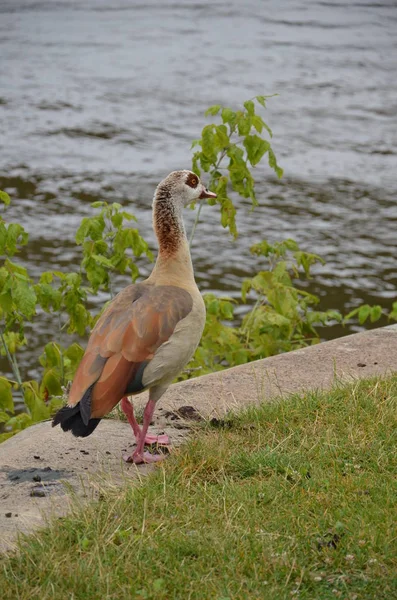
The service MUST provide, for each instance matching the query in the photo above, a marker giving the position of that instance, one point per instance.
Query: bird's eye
(192, 180)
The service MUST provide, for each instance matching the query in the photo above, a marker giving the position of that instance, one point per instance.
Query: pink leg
(139, 456)
(128, 410)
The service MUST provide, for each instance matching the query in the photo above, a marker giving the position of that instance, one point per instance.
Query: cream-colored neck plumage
(174, 263)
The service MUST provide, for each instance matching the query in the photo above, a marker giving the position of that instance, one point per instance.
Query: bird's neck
(174, 263)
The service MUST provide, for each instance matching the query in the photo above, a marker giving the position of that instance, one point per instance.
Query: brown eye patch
(192, 180)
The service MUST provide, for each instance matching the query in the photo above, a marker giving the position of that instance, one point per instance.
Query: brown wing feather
(131, 329)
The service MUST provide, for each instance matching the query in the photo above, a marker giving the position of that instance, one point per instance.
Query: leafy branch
(234, 146)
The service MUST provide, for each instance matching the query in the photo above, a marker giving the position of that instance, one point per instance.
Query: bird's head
(183, 188)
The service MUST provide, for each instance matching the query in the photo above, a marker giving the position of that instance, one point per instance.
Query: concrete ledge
(41, 465)
(345, 359)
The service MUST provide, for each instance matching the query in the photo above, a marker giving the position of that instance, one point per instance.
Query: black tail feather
(77, 418)
(70, 419)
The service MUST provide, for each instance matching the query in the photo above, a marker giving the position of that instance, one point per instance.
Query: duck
(147, 333)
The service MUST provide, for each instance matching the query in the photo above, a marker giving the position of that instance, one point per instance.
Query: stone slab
(344, 360)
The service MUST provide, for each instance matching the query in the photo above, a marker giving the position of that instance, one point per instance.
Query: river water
(100, 100)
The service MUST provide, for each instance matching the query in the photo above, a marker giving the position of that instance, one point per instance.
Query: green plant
(17, 306)
(373, 313)
(280, 317)
(229, 150)
(108, 247)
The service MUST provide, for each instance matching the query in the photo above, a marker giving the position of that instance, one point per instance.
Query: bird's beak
(207, 194)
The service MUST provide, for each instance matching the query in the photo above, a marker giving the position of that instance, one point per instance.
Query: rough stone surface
(342, 360)
(43, 470)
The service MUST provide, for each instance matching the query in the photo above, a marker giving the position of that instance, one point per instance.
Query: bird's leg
(139, 456)
(128, 410)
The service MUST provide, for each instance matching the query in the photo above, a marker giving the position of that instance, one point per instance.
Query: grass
(295, 499)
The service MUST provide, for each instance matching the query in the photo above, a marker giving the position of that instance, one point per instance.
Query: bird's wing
(136, 323)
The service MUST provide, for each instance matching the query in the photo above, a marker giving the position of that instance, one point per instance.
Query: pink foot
(144, 458)
(159, 440)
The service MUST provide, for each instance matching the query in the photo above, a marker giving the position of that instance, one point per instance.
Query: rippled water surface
(100, 100)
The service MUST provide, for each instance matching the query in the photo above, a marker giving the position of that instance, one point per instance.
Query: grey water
(100, 100)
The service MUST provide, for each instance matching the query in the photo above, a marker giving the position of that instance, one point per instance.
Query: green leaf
(213, 110)
(102, 260)
(24, 297)
(73, 279)
(6, 303)
(37, 407)
(363, 313)
(16, 235)
(208, 143)
(195, 161)
(117, 220)
(48, 297)
(258, 123)
(128, 216)
(256, 147)
(5, 198)
(306, 260)
(250, 107)
(221, 136)
(262, 99)
(90, 227)
(47, 277)
(73, 356)
(245, 288)
(334, 315)
(3, 236)
(80, 319)
(228, 115)
(351, 314)
(82, 231)
(393, 313)
(19, 422)
(273, 164)
(51, 384)
(228, 215)
(292, 245)
(6, 401)
(51, 356)
(195, 143)
(16, 269)
(274, 318)
(376, 313)
(266, 126)
(243, 123)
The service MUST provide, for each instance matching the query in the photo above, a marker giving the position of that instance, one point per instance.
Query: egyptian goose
(148, 332)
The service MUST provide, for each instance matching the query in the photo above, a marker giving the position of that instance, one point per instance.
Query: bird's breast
(172, 356)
